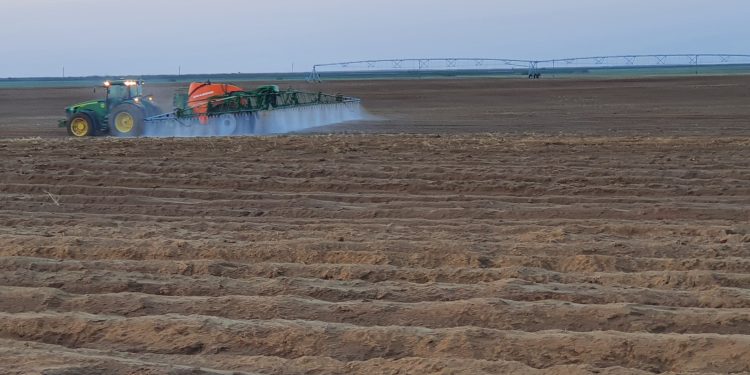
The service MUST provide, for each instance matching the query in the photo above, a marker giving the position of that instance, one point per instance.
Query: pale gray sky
(107, 37)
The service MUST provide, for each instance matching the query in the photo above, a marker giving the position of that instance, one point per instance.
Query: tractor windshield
(122, 92)
(136, 90)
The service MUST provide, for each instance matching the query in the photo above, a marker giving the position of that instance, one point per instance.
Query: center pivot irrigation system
(530, 67)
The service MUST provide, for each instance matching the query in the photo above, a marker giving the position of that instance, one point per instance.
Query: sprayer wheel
(226, 125)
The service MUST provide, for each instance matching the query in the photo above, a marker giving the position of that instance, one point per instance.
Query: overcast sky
(105, 37)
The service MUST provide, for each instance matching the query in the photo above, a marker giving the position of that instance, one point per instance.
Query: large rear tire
(126, 120)
(81, 125)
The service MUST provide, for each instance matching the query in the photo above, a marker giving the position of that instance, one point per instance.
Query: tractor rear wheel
(126, 120)
(81, 125)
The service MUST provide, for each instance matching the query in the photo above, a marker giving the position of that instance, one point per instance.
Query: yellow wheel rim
(124, 122)
(79, 127)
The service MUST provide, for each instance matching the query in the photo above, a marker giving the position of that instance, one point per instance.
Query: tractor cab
(120, 91)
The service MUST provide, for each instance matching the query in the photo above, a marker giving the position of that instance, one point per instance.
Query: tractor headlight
(107, 84)
(137, 100)
(129, 83)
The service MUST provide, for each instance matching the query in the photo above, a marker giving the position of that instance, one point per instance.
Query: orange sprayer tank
(200, 94)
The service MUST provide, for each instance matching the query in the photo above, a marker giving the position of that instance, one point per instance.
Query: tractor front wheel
(81, 125)
(126, 120)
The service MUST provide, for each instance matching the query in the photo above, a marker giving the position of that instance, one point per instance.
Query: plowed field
(478, 251)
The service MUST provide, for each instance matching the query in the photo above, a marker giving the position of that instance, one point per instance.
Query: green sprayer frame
(266, 98)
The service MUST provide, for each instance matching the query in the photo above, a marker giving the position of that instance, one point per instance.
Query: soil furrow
(677, 280)
(295, 339)
(450, 254)
(30, 357)
(96, 281)
(483, 313)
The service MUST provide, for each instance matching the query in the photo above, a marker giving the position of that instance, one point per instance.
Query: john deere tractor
(121, 113)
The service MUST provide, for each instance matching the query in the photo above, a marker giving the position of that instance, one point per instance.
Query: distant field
(621, 72)
(623, 106)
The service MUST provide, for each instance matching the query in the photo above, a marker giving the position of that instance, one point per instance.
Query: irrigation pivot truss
(528, 66)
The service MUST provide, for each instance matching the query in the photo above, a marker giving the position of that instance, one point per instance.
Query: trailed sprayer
(208, 109)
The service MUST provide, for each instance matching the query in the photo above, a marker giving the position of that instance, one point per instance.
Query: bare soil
(550, 227)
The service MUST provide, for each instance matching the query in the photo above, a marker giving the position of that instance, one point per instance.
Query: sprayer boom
(207, 109)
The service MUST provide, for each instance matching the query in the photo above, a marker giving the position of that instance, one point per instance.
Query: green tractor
(121, 113)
